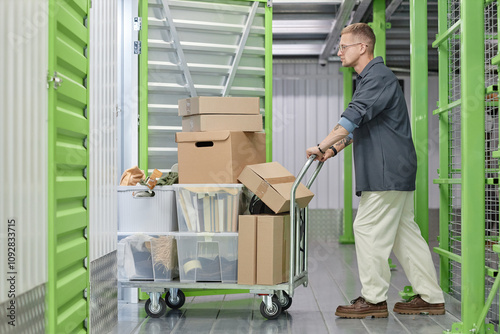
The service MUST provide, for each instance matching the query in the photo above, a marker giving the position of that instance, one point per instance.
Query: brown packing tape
(262, 188)
(281, 179)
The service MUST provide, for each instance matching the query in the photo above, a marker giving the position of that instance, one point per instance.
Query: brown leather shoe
(416, 305)
(360, 308)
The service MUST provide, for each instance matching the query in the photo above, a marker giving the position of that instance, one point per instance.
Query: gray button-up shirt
(384, 155)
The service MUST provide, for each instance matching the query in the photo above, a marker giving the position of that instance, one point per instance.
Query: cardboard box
(271, 249)
(217, 157)
(272, 183)
(197, 123)
(219, 105)
(247, 250)
(263, 249)
(286, 249)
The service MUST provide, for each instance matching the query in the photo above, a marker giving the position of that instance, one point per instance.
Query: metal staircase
(197, 48)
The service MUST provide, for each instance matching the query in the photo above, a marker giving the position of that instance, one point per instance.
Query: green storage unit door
(67, 306)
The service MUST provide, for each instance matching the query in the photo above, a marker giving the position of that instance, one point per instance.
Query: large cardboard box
(272, 183)
(219, 105)
(217, 157)
(271, 249)
(247, 250)
(197, 123)
(263, 249)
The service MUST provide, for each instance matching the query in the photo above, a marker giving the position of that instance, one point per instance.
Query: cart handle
(293, 254)
(299, 178)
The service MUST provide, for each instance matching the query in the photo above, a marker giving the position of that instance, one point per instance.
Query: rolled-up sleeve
(347, 124)
(370, 99)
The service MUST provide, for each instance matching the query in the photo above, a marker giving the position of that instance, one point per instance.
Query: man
(377, 123)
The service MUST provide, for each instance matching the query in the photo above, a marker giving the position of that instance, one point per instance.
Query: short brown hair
(362, 31)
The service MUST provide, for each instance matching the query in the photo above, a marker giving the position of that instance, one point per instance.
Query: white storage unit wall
(103, 130)
(23, 162)
(307, 103)
(103, 174)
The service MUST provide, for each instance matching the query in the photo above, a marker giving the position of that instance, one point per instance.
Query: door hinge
(56, 79)
(137, 47)
(269, 3)
(137, 23)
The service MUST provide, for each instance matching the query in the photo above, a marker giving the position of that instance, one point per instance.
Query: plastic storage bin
(134, 257)
(164, 257)
(208, 257)
(143, 257)
(147, 214)
(208, 208)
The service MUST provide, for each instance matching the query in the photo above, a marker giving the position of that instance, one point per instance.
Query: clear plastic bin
(209, 207)
(144, 257)
(164, 257)
(147, 214)
(208, 257)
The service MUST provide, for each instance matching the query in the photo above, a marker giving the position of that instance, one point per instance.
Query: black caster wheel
(159, 311)
(273, 312)
(286, 303)
(177, 302)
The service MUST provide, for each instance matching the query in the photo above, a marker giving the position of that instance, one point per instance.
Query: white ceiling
(311, 29)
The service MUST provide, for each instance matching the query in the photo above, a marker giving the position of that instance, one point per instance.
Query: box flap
(183, 137)
(285, 188)
(253, 177)
(271, 170)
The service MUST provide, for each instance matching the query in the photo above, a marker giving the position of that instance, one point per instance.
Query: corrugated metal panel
(192, 46)
(102, 118)
(68, 132)
(307, 103)
(23, 143)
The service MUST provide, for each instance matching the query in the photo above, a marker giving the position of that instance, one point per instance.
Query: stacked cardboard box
(264, 240)
(220, 136)
(264, 249)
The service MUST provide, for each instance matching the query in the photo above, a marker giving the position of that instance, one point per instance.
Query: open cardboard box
(272, 183)
(219, 156)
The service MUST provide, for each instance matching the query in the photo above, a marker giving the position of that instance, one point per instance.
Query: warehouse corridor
(333, 280)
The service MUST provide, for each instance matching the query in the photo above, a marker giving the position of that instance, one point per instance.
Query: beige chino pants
(385, 223)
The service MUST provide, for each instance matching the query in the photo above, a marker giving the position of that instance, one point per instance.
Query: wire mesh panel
(491, 138)
(491, 145)
(455, 137)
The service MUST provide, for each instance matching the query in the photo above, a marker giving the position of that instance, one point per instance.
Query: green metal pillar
(444, 160)
(268, 119)
(143, 89)
(378, 27)
(348, 236)
(473, 155)
(419, 109)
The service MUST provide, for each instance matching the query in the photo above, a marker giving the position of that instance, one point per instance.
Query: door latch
(56, 79)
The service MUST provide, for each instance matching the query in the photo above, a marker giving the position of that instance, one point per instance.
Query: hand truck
(275, 298)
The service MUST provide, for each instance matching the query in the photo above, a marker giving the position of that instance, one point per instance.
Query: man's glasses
(343, 47)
